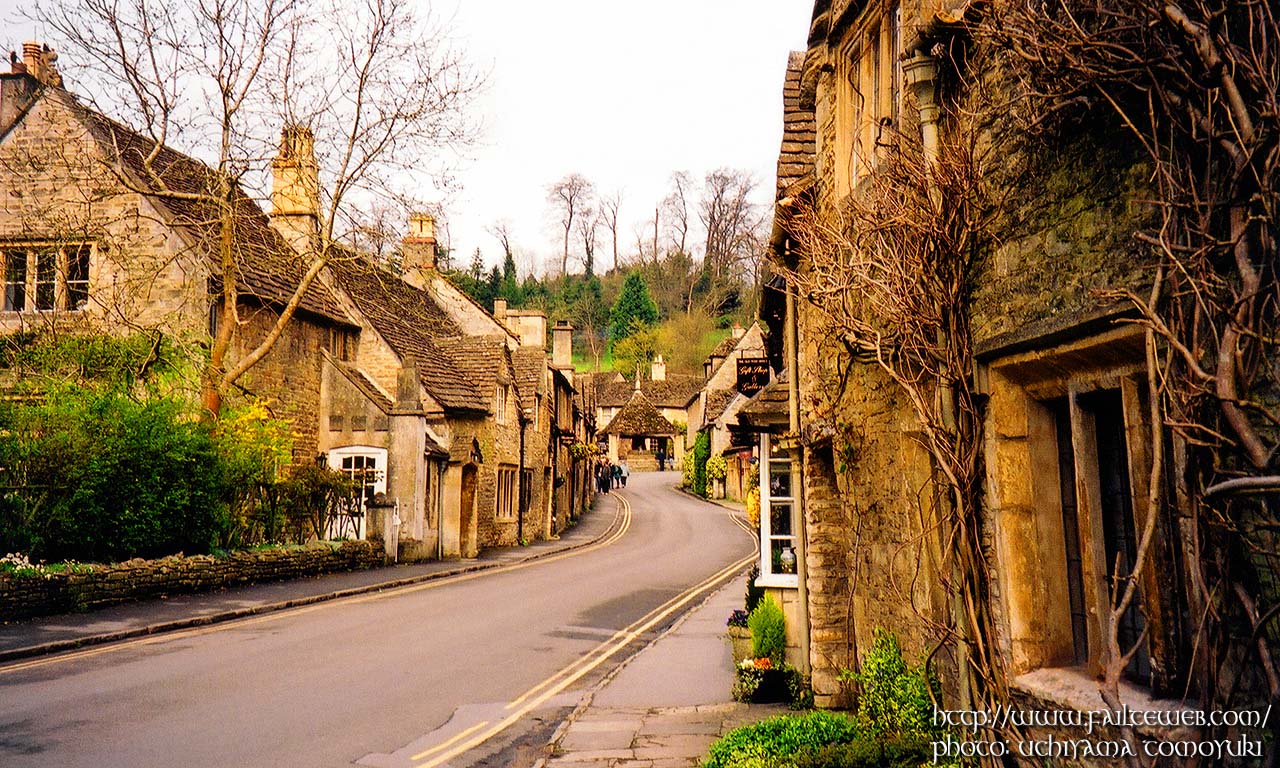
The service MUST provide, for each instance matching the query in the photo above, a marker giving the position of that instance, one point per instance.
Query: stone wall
(97, 586)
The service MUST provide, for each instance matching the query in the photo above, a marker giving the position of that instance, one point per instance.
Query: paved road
(413, 677)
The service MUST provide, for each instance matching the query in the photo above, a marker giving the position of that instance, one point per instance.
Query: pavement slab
(668, 703)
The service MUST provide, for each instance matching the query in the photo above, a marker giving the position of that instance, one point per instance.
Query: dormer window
(45, 278)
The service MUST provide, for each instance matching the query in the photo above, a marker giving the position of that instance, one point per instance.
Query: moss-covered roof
(639, 417)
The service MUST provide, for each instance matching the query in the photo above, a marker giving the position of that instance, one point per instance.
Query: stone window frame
(56, 288)
(771, 468)
(868, 93)
(505, 505)
(500, 398)
(1026, 503)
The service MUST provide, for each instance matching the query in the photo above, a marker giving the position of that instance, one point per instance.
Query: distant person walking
(624, 472)
(617, 476)
(602, 475)
(662, 460)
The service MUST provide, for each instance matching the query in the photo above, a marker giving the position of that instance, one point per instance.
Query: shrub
(717, 468)
(773, 742)
(868, 753)
(701, 452)
(768, 631)
(896, 700)
(101, 476)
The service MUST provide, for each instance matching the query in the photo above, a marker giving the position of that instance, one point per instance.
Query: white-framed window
(506, 507)
(367, 465)
(45, 278)
(779, 508)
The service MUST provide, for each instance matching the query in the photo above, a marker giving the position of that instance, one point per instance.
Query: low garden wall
(43, 592)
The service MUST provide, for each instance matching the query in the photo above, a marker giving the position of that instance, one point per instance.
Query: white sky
(623, 93)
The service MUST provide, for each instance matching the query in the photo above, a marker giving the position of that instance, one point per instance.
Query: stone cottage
(738, 362)
(1057, 372)
(401, 380)
(92, 237)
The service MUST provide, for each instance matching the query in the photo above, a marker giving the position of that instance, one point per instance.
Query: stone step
(642, 461)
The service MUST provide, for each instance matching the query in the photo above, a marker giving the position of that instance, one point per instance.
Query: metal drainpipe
(792, 341)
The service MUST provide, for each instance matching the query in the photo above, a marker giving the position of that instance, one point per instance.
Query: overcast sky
(623, 93)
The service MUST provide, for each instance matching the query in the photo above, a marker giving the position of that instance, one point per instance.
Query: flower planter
(762, 685)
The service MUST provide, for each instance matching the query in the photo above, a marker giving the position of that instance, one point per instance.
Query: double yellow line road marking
(555, 684)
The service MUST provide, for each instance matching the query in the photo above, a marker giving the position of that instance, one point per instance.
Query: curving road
(456, 672)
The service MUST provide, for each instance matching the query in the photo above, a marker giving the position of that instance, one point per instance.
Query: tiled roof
(799, 132)
(725, 346)
(675, 391)
(717, 401)
(639, 417)
(768, 407)
(270, 269)
(414, 326)
(484, 360)
(529, 364)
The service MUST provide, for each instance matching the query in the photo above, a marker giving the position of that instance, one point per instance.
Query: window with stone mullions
(45, 278)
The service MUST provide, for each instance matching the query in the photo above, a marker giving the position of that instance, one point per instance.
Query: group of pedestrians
(610, 475)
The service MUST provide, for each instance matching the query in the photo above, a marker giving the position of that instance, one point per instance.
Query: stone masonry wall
(55, 190)
(100, 586)
(289, 376)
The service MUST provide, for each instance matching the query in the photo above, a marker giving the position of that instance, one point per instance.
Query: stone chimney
(500, 310)
(530, 325)
(16, 93)
(418, 250)
(295, 188)
(658, 369)
(562, 345)
(37, 61)
(738, 331)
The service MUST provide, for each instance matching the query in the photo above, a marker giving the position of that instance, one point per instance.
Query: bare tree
(676, 207)
(731, 220)
(609, 206)
(501, 231)
(568, 197)
(221, 77)
(588, 229)
(1195, 85)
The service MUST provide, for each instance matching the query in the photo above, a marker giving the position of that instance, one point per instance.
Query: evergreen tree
(634, 309)
(477, 266)
(511, 290)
